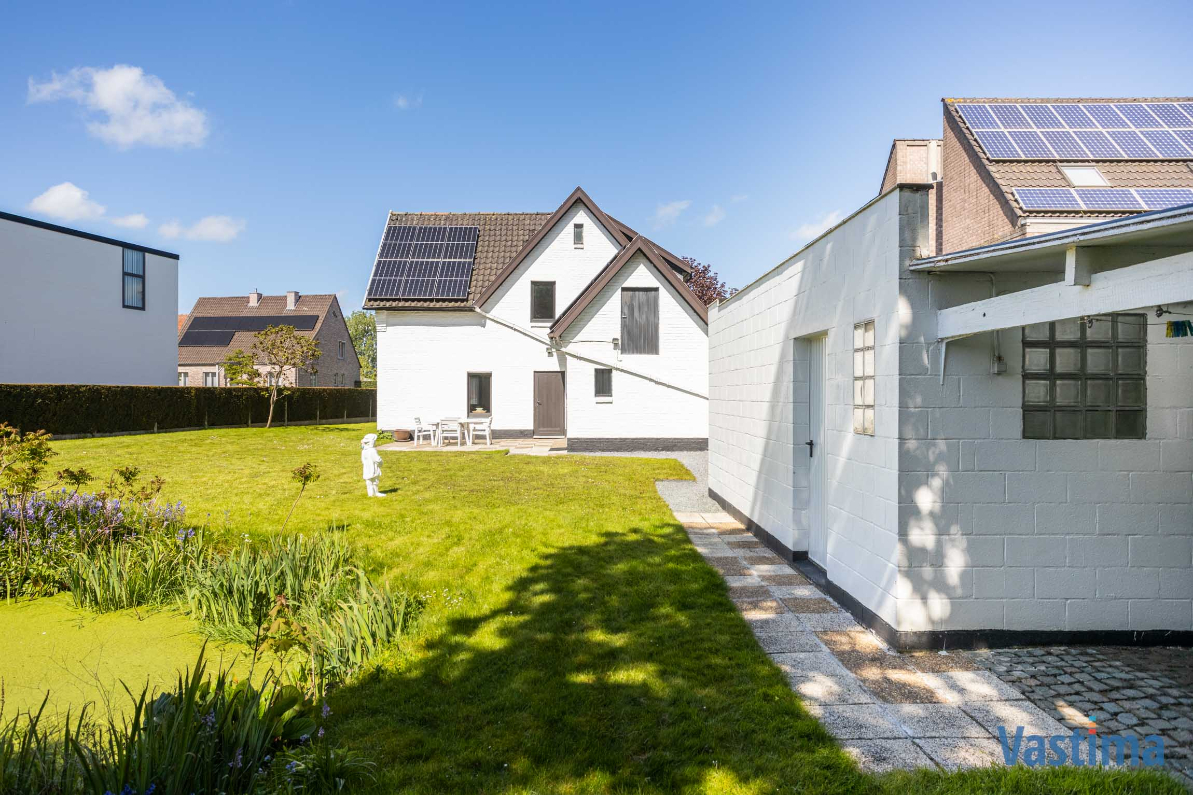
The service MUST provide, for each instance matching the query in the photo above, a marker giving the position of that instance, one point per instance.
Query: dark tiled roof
(502, 236)
(1011, 174)
(237, 306)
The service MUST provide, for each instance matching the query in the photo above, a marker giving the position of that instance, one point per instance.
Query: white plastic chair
(486, 428)
(421, 430)
(449, 429)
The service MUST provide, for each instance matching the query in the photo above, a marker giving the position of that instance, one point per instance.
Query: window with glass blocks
(1085, 378)
(863, 378)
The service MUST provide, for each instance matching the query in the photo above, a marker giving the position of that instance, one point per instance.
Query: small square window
(863, 378)
(1084, 378)
(1084, 177)
(578, 235)
(603, 382)
(183, 378)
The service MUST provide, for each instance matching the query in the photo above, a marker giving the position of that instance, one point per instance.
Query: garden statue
(371, 460)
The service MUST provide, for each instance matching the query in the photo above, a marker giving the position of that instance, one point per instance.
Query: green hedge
(82, 408)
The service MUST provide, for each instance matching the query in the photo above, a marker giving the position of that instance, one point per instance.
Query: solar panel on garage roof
(424, 262)
(1163, 198)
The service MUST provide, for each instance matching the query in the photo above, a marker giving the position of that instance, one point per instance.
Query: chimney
(254, 298)
(291, 299)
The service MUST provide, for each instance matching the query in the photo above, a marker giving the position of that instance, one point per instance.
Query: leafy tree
(278, 352)
(362, 327)
(706, 284)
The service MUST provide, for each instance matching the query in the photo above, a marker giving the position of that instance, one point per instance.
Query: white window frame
(183, 378)
(212, 376)
(863, 378)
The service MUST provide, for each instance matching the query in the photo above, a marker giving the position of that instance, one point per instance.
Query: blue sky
(265, 142)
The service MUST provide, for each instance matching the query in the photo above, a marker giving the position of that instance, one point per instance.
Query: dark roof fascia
(20, 219)
(578, 195)
(594, 288)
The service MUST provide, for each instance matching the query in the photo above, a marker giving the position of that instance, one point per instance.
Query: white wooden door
(818, 540)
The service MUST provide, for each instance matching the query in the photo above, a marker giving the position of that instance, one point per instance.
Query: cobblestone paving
(891, 710)
(1140, 691)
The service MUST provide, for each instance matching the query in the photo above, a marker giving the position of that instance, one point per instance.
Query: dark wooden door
(549, 404)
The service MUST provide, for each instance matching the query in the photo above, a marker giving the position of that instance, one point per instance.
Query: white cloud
(738, 198)
(666, 214)
(68, 202)
(715, 215)
(134, 221)
(408, 101)
(130, 106)
(213, 228)
(814, 229)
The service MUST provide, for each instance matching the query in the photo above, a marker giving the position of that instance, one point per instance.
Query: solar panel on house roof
(424, 262)
(1108, 199)
(251, 322)
(1102, 130)
(1163, 198)
(1047, 199)
(202, 338)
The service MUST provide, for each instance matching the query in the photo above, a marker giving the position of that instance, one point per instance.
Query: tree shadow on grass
(616, 665)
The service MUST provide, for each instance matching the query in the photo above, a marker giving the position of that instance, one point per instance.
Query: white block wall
(640, 408)
(61, 318)
(758, 380)
(999, 532)
(424, 357)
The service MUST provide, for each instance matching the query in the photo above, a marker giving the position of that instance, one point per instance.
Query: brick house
(967, 409)
(218, 327)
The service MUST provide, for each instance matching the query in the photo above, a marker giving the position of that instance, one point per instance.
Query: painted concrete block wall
(675, 408)
(758, 381)
(61, 318)
(999, 532)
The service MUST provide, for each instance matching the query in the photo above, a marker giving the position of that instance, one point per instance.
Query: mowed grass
(573, 640)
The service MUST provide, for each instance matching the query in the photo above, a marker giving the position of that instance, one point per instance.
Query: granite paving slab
(958, 753)
(815, 605)
(857, 721)
(790, 578)
(801, 591)
(883, 756)
(965, 687)
(786, 642)
(935, 720)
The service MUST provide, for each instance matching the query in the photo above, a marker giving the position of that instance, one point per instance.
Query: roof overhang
(1145, 233)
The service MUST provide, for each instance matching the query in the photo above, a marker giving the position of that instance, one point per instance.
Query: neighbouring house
(969, 405)
(218, 327)
(78, 308)
(563, 324)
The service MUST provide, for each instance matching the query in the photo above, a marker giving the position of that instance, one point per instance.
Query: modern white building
(78, 308)
(988, 444)
(564, 324)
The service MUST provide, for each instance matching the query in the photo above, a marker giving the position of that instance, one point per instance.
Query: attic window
(1084, 177)
(578, 235)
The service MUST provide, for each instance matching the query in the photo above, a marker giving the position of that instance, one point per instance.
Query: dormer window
(1084, 176)
(578, 235)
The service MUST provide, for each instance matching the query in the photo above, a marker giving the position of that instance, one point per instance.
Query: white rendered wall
(758, 381)
(639, 408)
(61, 319)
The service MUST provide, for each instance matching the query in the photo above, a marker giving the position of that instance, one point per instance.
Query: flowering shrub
(42, 533)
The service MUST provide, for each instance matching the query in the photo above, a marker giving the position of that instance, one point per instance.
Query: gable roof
(502, 236)
(237, 306)
(578, 195)
(1009, 174)
(589, 293)
(503, 243)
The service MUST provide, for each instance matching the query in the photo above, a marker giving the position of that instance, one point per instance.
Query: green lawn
(574, 640)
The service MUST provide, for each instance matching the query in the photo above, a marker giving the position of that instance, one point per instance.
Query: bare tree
(278, 352)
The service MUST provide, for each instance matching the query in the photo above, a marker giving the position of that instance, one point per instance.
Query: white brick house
(1001, 437)
(571, 325)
